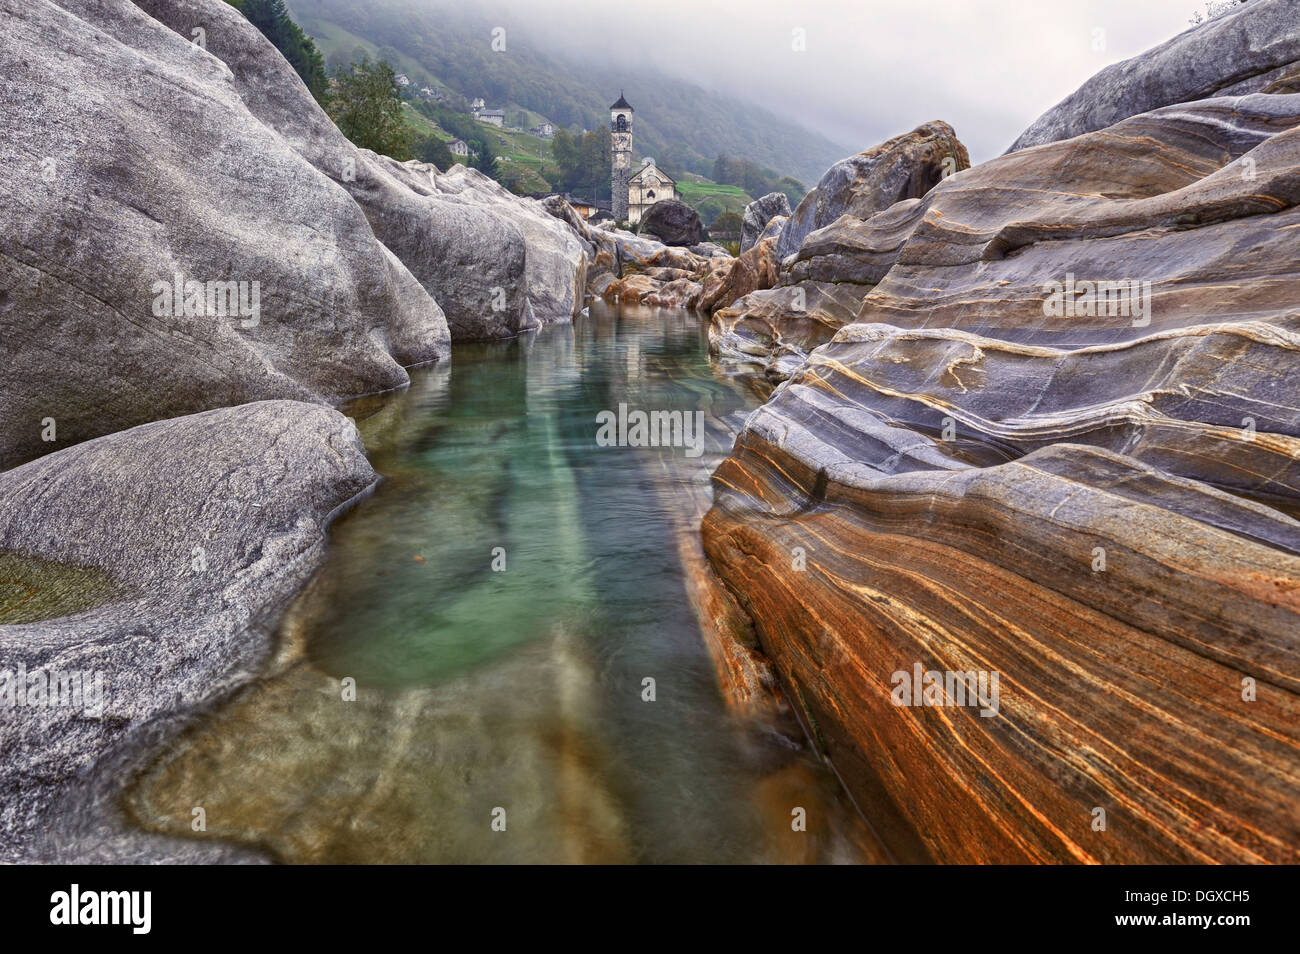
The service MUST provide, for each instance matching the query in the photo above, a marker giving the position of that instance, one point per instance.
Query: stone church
(632, 192)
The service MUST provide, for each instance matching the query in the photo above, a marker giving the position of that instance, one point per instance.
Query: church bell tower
(620, 145)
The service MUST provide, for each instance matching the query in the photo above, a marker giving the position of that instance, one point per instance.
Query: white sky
(872, 69)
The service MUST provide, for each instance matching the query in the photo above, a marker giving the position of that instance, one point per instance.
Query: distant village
(633, 191)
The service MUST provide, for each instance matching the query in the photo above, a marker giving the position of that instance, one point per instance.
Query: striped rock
(1097, 505)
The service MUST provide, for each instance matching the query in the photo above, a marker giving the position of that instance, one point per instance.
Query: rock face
(673, 223)
(755, 269)
(1003, 466)
(778, 327)
(497, 264)
(905, 167)
(758, 213)
(101, 210)
(1244, 51)
(157, 558)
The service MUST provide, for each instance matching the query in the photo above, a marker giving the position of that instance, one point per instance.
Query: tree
(726, 225)
(565, 151)
(367, 107)
(273, 20)
(486, 162)
(432, 149)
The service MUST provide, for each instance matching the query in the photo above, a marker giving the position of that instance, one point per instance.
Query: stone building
(648, 185)
(620, 146)
(632, 192)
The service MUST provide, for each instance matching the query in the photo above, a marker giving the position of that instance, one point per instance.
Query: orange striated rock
(755, 269)
(1097, 505)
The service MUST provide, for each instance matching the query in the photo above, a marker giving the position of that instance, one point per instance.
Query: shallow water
(500, 602)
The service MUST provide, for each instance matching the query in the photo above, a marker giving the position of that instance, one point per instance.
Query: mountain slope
(679, 123)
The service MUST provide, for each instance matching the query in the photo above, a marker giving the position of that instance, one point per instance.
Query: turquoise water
(500, 602)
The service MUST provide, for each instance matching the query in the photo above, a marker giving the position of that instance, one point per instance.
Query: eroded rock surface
(193, 534)
(758, 214)
(1247, 50)
(497, 263)
(131, 159)
(1096, 503)
(905, 167)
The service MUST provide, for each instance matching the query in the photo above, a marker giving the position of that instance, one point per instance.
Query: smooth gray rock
(673, 223)
(130, 158)
(493, 261)
(1237, 53)
(758, 214)
(172, 548)
(905, 167)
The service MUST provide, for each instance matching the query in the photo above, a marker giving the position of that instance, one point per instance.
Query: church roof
(657, 171)
(622, 103)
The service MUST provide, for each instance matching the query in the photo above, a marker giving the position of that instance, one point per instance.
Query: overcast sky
(873, 69)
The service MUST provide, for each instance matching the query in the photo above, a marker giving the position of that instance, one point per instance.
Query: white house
(458, 147)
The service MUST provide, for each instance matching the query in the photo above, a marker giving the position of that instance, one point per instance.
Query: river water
(500, 661)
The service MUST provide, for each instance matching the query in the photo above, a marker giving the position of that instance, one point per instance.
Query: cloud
(869, 69)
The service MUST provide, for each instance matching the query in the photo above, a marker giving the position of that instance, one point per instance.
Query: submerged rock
(1060, 443)
(196, 531)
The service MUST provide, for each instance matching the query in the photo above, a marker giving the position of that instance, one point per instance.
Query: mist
(860, 72)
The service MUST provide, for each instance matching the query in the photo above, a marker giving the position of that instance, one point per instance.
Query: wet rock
(681, 293)
(776, 329)
(755, 269)
(632, 289)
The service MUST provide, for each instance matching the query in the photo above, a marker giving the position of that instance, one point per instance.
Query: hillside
(683, 126)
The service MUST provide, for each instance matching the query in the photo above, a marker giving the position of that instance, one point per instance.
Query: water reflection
(524, 689)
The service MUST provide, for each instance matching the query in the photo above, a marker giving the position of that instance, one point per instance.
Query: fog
(867, 70)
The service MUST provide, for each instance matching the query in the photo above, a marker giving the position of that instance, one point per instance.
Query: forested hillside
(683, 126)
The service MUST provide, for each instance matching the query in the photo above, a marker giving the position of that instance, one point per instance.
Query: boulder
(1005, 467)
(496, 262)
(857, 250)
(905, 167)
(680, 293)
(776, 329)
(103, 211)
(755, 269)
(1244, 51)
(156, 563)
(672, 222)
(760, 212)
